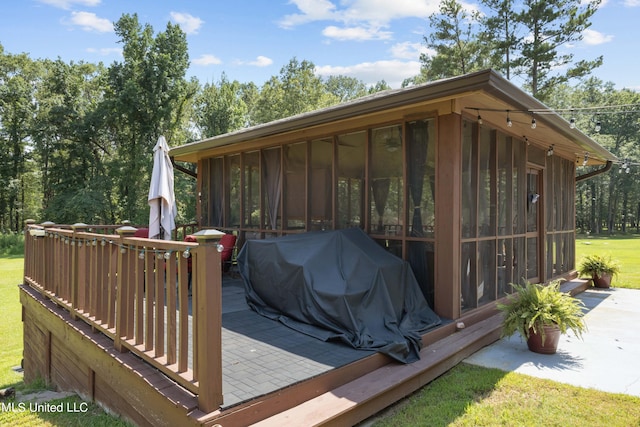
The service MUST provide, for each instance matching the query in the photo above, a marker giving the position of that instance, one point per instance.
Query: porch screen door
(533, 225)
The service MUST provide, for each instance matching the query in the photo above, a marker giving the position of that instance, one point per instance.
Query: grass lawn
(625, 249)
(11, 324)
(11, 356)
(473, 396)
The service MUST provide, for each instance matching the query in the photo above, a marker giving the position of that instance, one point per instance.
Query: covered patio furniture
(338, 285)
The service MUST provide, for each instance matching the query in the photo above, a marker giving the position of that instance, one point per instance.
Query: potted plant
(541, 313)
(601, 269)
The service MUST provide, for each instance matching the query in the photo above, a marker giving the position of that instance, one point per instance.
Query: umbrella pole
(160, 219)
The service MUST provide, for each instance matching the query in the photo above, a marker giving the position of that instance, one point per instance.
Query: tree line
(76, 138)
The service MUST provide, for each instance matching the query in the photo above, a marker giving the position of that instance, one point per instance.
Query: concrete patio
(605, 359)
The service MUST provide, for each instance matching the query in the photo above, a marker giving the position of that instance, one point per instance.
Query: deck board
(387, 384)
(260, 356)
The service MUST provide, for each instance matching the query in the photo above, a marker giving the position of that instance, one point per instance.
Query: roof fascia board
(362, 106)
(488, 81)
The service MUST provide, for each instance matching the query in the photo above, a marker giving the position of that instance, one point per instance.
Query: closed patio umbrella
(162, 202)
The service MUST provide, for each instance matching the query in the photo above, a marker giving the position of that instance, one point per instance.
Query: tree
(345, 88)
(551, 24)
(500, 31)
(147, 96)
(620, 131)
(519, 38)
(456, 41)
(250, 95)
(609, 202)
(19, 77)
(296, 90)
(379, 87)
(72, 149)
(220, 108)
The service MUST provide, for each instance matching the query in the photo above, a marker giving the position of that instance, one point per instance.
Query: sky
(251, 40)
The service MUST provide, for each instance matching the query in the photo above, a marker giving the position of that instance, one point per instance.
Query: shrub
(11, 244)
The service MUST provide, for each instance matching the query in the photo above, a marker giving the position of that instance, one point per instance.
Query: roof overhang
(485, 92)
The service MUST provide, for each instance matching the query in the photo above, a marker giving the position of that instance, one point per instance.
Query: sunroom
(469, 179)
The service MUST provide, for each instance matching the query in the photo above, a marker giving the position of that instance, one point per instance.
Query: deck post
(207, 284)
(28, 249)
(48, 259)
(448, 214)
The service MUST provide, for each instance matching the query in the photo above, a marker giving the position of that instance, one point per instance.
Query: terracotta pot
(551, 339)
(603, 281)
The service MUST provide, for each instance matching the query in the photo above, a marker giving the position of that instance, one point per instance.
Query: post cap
(208, 234)
(126, 230)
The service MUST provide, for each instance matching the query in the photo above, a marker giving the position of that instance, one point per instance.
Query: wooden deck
(350, 388)
(156, 367)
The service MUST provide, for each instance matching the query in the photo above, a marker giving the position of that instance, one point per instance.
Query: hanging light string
(103, 241)
(572, 111)
(602, 109)
(625, 165)
(595, 111)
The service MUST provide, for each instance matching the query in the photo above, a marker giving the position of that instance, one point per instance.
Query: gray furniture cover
(338, 285)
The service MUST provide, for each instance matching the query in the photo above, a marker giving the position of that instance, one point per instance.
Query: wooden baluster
(183, 301)
(149, 261)
(159, 306)
(170, 281)
(139, 295)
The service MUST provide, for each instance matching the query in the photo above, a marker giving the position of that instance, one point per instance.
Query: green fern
(535, 305)
(599, 265)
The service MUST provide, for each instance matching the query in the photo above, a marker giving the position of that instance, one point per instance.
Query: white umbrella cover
(162, 202)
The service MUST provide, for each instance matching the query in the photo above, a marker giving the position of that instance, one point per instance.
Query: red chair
(189, 238)
(142, 232)
(228, 242)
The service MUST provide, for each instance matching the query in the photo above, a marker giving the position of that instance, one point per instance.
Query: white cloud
(394, 72)
(385, 10)
(312, 10)
(355, 33)
(261, 61)
(207, 59)
(632, 3)
(371, 11)
(358, 19)
(68, 4)
(594, 38)
(105, 51)
(91, 22)
(409, 50)
(190, 24)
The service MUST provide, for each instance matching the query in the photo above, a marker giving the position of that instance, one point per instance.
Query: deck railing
(137, 292)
